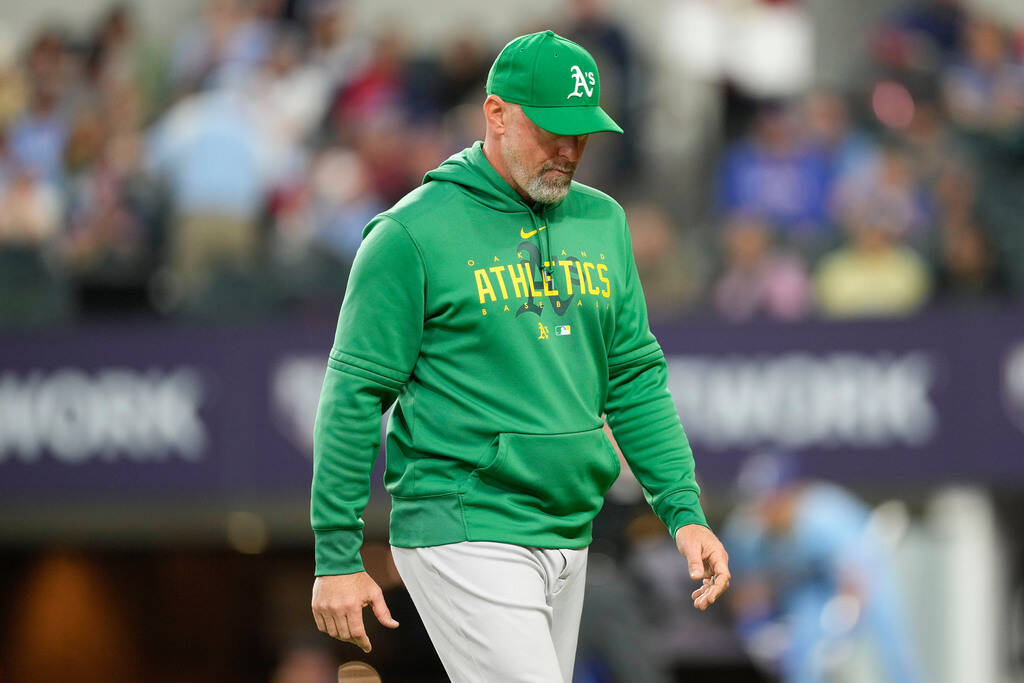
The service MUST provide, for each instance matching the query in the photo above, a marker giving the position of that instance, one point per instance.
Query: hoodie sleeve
(375, 348)
(642, 415)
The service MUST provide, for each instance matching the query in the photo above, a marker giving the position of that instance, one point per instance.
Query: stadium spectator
(874, 273)
(826, 122)
(930, 144)
(670, 266)
(229, 40)
(341, 53)
(969, 271)
(47, 64)
(377, 91)
(33, 287)
(216, 160)
(30, 210)
(776, 174)
(343, 200)
(289, 95)
(383, 149)
(109, 241)
(121, 56)
(888, 181)
(921, 35)
(984, 90)
(759, 279)
(38, 136)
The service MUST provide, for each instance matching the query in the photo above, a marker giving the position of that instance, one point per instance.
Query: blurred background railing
(825, 200)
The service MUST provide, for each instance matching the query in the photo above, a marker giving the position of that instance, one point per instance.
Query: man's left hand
(708, 562)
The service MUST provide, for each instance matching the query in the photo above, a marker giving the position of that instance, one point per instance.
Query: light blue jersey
(825, 554)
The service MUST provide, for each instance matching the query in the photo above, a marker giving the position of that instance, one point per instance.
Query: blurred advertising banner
(159, 410)
(936, 398)
(166, 411)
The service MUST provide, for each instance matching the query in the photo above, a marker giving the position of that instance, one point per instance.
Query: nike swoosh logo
(527, 235)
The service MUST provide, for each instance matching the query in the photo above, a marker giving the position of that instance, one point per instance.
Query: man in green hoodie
(498, 307)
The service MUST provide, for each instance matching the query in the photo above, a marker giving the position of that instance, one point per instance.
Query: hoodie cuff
(337, 551)
(680, 509)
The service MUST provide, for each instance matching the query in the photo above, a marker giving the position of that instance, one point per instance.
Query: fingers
(345, 622)
(703, 599)
(706, 561)
(381, 611)
(333, 629)
(356, 632)
(321, 625)
(719, 562)
(692, 552)
(325, 623)
(338, 602)
(717, 566)
(707, 594)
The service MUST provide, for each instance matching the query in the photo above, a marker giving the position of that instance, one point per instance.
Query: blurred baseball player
(809, 567)
(499, 304)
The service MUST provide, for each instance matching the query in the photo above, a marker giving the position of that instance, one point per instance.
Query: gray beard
(548, 190)
(539, 188)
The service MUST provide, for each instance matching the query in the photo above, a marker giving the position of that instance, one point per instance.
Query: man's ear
(496, 113)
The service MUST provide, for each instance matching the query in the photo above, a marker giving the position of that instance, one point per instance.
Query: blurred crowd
(229, 173)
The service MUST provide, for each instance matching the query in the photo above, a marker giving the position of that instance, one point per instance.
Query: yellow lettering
(579, 271)
(518, 279)
(483, 285)
(587, 267)
(563, 253)
(498, 260)
(568, 276)
(484, 311)
(506, 307)
(545, 278)
(529, 280)
(497, 270)
(601, 270)
(579, 302)
(583, 254)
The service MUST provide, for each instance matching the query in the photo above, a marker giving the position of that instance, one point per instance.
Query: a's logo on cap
(581, 82)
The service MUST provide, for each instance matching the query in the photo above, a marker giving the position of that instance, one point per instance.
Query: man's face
(540, 163)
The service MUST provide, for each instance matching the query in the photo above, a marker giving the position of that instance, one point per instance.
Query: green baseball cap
(555, 81)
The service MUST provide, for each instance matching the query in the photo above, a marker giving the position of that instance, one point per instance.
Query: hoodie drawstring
(545, 244)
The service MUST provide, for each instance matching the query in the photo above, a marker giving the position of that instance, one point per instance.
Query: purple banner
(169, 411)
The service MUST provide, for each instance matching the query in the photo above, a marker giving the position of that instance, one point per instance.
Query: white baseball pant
(496, 612)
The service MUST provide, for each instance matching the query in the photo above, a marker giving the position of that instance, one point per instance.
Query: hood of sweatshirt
(471, 170)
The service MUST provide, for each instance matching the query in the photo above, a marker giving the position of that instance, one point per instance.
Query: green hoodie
(505, 331)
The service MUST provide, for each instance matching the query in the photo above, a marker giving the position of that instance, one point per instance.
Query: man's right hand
(338, 603)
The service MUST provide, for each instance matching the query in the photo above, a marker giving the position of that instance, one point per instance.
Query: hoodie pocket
(558, 474)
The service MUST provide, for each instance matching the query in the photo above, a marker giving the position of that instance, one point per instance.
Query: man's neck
(492, 153)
